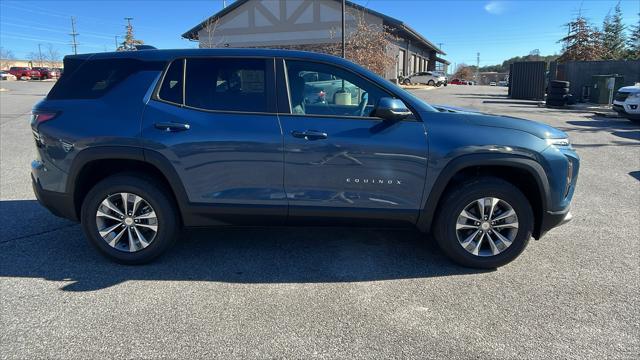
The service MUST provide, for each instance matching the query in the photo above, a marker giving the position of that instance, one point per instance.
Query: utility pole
(40, 54)
(343, 30)
(74, 43)
(478, 68)
(224, 4)
(116, 42)
(440, 45)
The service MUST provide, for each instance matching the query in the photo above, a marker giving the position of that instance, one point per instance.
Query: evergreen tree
(633, 42)
(583, 43)
(613, 37)
(130, 41)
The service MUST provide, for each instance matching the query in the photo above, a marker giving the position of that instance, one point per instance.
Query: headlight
(564, 142)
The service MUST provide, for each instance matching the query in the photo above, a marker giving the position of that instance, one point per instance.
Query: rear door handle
(309, 134)
(172, 126)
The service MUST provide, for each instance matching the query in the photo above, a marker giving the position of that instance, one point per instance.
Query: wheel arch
(526, 174)
(92, 165)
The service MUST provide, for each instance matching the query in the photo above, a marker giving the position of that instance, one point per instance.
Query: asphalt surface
(329, 293)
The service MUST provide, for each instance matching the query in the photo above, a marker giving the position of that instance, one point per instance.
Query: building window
(412, 65)
(400, 65)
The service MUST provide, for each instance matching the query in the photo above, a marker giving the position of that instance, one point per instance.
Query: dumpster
(601, 90)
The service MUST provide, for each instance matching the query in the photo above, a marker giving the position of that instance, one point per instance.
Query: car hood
(630, 89)
(540, 130)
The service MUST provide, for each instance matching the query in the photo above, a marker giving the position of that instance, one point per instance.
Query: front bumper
(553, 219)
(59, 204)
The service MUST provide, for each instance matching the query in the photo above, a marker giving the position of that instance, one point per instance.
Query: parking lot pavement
(329, 293)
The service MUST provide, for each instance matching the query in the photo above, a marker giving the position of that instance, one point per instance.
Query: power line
(73, 34)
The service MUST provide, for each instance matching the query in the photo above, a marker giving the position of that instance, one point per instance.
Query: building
(311, 25)
(5, 64)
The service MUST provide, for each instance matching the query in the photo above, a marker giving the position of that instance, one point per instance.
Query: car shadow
(234, 255)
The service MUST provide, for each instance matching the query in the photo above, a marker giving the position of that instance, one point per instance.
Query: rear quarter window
(94, 78)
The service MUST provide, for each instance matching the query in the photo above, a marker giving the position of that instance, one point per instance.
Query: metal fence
(527, 80)
(580, 74)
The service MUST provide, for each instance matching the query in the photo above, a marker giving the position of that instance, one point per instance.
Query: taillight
(38, 117)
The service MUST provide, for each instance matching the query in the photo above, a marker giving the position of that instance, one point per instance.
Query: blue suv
(138, 145)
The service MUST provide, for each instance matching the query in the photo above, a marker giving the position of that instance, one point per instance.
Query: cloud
(495, 7)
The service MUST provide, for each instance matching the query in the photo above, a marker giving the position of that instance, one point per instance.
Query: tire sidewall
(150, 192)
(459, 200)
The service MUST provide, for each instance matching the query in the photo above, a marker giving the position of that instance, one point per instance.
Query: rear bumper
(59, 204)
(553, 219)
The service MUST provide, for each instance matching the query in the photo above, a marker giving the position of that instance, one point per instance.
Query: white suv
(627, 102)
(425, 77)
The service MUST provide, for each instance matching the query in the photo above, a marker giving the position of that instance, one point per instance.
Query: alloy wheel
(487, 226)
(126, 222)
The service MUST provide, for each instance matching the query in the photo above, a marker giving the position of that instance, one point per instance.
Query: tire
(557, 97)
(559, 84)
(159, 204)
(407, 81)
(460, 198)
(558, 91)
(431, 83)
(552, 102)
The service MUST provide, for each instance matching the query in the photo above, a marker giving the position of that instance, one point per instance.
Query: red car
(46, 73)
(24, 72)
(458, 82)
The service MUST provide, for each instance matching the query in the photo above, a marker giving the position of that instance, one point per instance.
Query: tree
(464, 71)
(53, 56)
(6, 58)
(633, 42)
(36, 58)
(367, 45)
(583, 43)
(130, 41)
(209, 30)
(613, 38)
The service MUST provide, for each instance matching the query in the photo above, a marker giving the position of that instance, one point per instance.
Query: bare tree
(464, 71)
(367, 44)
(37, 58)
(209, 29)
(6, 58)
(53, 56)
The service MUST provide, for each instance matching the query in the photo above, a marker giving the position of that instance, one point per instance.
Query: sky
(496, 29)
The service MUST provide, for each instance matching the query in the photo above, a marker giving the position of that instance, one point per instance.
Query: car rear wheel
(129, 219)
(484, 223)
(431, 83)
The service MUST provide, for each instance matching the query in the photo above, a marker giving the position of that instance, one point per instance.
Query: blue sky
(496, 29)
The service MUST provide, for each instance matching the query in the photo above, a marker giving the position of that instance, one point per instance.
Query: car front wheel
(484, 223)
(130, 219)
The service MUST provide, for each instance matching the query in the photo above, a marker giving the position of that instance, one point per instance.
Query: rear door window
(225, 84)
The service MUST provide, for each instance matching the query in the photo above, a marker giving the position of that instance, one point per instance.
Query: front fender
(436, 189)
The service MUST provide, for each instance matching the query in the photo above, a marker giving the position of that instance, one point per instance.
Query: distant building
(310, 25)
(7, 63)
(485, 78)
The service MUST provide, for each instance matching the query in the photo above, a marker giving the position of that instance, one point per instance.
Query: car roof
(168, 54)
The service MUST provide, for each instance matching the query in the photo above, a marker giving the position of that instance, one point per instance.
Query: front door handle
(309, 134)
(171, 126)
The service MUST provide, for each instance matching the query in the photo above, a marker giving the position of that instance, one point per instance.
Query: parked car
(458, 82)
(426, 77)
(627, 102)
(493, 83)
(4, 75)
(47, 73)
(24, 72)
(206, 137)
(502, 83)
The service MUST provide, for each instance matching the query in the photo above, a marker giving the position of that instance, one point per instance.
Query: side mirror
(391, 109)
